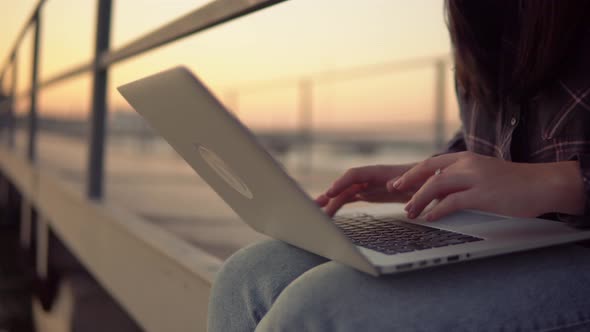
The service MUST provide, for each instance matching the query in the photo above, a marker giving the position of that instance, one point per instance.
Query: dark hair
(512, 48)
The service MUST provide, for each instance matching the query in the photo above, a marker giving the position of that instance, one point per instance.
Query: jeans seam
(557, 328)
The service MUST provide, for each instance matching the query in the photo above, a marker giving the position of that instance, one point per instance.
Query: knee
(246, 262)
(263, 263)
(245, 268)
(253, 277)
(319, 300)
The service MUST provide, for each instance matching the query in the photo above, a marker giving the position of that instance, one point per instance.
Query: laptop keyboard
(391, 236)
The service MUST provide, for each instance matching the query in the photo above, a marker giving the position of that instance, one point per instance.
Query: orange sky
(288, 40)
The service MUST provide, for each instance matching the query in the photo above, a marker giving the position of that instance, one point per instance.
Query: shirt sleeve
(581, 221)
(456, 144)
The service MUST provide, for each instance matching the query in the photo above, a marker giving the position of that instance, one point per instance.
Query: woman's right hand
(368, 183)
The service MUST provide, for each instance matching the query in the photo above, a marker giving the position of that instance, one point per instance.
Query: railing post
(42, 246)
(32, 147)
(26, 223)
(306, 123)
(99, 103)
(439, 104)
(4, 105)
(13, 96)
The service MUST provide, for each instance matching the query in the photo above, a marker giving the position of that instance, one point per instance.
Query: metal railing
(307, 84)
(202, 18)
(207, 16)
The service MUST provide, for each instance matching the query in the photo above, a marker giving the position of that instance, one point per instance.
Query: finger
(412, 189)
(386, 198)
(360, 175)
(336, 203)
(373, 191)
(454, 202)
(436, 186)
(322, 200)
(347, 196)
(381, 194)
(389, 185)
(423, 170)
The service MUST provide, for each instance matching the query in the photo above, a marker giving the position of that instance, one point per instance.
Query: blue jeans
(272, 286)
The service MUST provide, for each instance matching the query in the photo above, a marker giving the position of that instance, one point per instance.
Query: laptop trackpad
(465, 218)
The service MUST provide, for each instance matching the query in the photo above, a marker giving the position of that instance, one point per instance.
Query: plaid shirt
(552, 126)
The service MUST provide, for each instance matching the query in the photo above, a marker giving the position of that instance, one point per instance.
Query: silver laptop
(376, 240)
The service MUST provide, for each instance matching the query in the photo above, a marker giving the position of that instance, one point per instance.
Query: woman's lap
(251, 280)
(533, 291)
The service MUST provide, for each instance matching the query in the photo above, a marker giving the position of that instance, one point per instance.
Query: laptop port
(436, 260)
(453, 258)
(423, 263)
(405, 266)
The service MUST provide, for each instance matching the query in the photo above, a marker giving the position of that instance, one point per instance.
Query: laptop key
(391, 236)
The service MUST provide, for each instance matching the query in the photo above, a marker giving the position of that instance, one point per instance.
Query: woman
(523, 84)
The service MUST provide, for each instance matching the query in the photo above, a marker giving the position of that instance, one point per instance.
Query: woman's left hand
(472, 181)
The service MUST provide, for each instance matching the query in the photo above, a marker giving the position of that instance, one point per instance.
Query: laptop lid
(230, 159)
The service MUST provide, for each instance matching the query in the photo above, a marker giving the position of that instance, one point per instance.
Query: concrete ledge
(162, 282)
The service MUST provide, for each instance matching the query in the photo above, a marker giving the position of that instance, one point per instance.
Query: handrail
(207, 16)
(202, 18)
(20, 37)
(75, 71)
(340, 74)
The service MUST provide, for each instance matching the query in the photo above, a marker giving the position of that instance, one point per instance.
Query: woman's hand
(472, 181)
(365, 184)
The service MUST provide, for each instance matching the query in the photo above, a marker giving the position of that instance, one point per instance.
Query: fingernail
(411, 211)
(397, 183)
(408, 207)
(428, 217)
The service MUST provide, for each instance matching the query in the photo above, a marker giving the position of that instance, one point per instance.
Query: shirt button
(513, 121)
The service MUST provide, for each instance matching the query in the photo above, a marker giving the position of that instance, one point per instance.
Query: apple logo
(224, 171)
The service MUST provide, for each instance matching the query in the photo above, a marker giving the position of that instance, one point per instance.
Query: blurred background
(325, 85)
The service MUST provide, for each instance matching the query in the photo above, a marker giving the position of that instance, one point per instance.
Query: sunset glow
(289, 40)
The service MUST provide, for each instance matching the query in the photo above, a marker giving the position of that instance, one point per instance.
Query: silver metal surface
(32, 143)
(99, 103)
(277, 207)
(501, 234)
